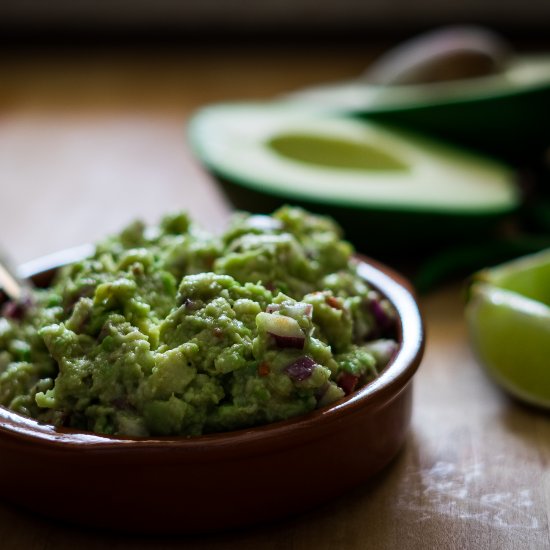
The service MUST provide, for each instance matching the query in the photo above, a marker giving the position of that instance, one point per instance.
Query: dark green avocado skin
(408, 236)
(514, 128)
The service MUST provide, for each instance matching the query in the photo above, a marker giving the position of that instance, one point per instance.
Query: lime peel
(528, 276)
(511, 336)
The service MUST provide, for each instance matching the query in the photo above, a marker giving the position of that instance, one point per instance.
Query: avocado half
(385, 186)
(504, 114)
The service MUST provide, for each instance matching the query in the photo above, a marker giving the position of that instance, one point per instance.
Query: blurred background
(95, 95)
(212, 19)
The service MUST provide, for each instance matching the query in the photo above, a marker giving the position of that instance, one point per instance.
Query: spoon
(16, 289)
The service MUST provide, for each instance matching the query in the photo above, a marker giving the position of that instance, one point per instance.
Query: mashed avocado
(171, 331)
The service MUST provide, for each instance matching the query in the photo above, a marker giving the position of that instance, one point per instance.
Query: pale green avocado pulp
(334, 153)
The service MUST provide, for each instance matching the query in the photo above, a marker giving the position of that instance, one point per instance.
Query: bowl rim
(375, 394)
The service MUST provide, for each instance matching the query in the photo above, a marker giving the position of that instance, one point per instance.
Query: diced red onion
(301, 369)
(347, 382)
(270, 286)
(285, 330)
(16, 310)
(288, 342)
(383, 351)
(381, 317)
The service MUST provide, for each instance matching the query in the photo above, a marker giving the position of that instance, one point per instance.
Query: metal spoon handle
(12, 286)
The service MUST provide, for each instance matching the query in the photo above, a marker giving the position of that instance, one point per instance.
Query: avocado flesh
(334, 153)
(504, 115)
(385, 186)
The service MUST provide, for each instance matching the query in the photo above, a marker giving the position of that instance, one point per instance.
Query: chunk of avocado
(384, 185)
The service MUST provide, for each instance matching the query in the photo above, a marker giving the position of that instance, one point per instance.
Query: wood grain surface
(89, 141)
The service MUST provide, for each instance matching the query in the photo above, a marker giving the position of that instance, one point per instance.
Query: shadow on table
(526, 422)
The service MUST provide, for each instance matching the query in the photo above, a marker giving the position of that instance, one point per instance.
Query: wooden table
(90, 141)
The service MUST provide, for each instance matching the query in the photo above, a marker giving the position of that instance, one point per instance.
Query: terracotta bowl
(186, 485)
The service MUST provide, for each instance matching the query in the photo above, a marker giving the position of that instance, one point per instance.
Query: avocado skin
(484, 124)
(386, 234)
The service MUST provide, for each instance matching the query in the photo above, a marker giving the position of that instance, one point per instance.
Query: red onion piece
(382, 350)
(347, 382)
(301, 369)
(16, 310)
(285, 330)
(383, 320)
(288, 342)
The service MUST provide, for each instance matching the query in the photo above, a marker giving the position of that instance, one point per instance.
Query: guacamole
(168, 330)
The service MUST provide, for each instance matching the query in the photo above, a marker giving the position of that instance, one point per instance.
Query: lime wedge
(508, 316)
